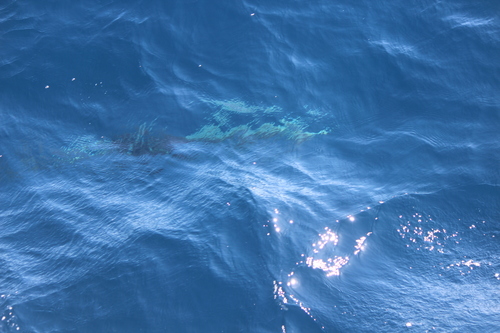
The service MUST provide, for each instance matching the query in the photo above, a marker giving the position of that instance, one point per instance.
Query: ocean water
(249, 166)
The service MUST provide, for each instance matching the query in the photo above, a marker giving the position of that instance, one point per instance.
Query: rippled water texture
(281, 167)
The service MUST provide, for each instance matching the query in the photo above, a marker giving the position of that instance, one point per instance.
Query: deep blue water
(249, 166)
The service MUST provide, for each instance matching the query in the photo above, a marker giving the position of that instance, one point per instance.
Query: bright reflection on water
(338, 247)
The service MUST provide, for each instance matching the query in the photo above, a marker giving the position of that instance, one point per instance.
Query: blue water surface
(249, 166)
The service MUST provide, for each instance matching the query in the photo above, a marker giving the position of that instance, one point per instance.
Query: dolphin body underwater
(145, 142)
(233, 121)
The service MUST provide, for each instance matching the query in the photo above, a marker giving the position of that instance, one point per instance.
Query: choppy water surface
(191, 166)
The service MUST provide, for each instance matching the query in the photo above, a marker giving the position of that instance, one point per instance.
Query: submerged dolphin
(143, 141)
